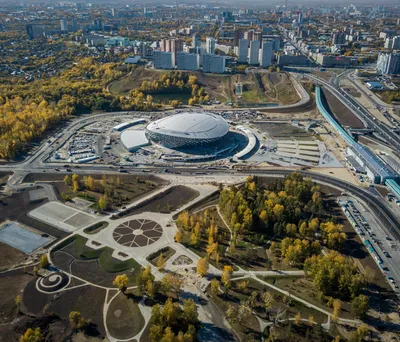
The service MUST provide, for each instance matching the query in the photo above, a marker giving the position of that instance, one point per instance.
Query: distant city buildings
(338, 38)
(64, 25)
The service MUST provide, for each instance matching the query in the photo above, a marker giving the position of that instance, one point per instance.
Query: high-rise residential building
(257, 36)
(176, 46)
(276, 39)
(35, 31)
(64, 25)
(213, 63)
(388, 43)
(396, 43)
(210, 45)
(75, 25)
(243, 50)
(227, 16)
(388, 63)
(254, 52)
(267, 30)
(300, 18)
(237, 35)
(114, 12)
(266, 53)
(187, 61)
(196, 40)
(163, 60)
(338, 38)
(249, 35)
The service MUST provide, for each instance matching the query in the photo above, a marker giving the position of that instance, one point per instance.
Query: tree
(67, 180)
(169, 335)
(243, 312)
(150, 288)
(144, 276)
(171, 282)
(202, 266)
(178, 236)
(121, 281)
(103, 202)
(156, 332)
(31, 335)
(170, 312)
(311, 320)
(337, 305)
(44, 261)
(161, 262)
(18, 301)
(231, 313)
(35, 270)
(360, 306)
(243, 285)
(211, 249)
(227, 275)
(190, 311)
(297, 318)
(76, 319)
(215, 286)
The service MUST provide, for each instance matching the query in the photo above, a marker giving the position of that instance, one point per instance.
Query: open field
(259, 88)
(97, 266)
(124, 318)
(342, 114)
(165, 202)
(133, 80)
(10, 256)
(129, 188)
(16, 207)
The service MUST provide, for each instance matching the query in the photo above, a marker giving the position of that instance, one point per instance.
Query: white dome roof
(191, 126)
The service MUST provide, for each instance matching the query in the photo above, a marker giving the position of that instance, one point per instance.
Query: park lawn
(124, 319)
(304, 289)
(302, 332)
(75, 245)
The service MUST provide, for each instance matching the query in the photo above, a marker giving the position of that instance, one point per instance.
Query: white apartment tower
(210, 45)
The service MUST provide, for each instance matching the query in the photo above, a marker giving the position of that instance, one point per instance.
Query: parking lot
(384, 250)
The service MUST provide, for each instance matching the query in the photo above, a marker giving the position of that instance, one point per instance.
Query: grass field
(274, 87)
(124, 319)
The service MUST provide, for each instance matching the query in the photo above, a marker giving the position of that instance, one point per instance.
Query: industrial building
(187, 130)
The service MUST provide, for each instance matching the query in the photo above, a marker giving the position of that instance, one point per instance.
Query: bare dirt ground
(344, 116)
(10, 256)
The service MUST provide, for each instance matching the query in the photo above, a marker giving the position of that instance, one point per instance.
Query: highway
(383, 131)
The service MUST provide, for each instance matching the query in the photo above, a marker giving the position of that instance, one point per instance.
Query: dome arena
(187, 130)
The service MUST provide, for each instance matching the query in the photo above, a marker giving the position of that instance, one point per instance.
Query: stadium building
(187, 130)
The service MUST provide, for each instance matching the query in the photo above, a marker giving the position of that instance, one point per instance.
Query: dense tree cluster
(173, 82)
(284, 207)
(295, 251)
(173, 322)
(28, 110)
(334, 275)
